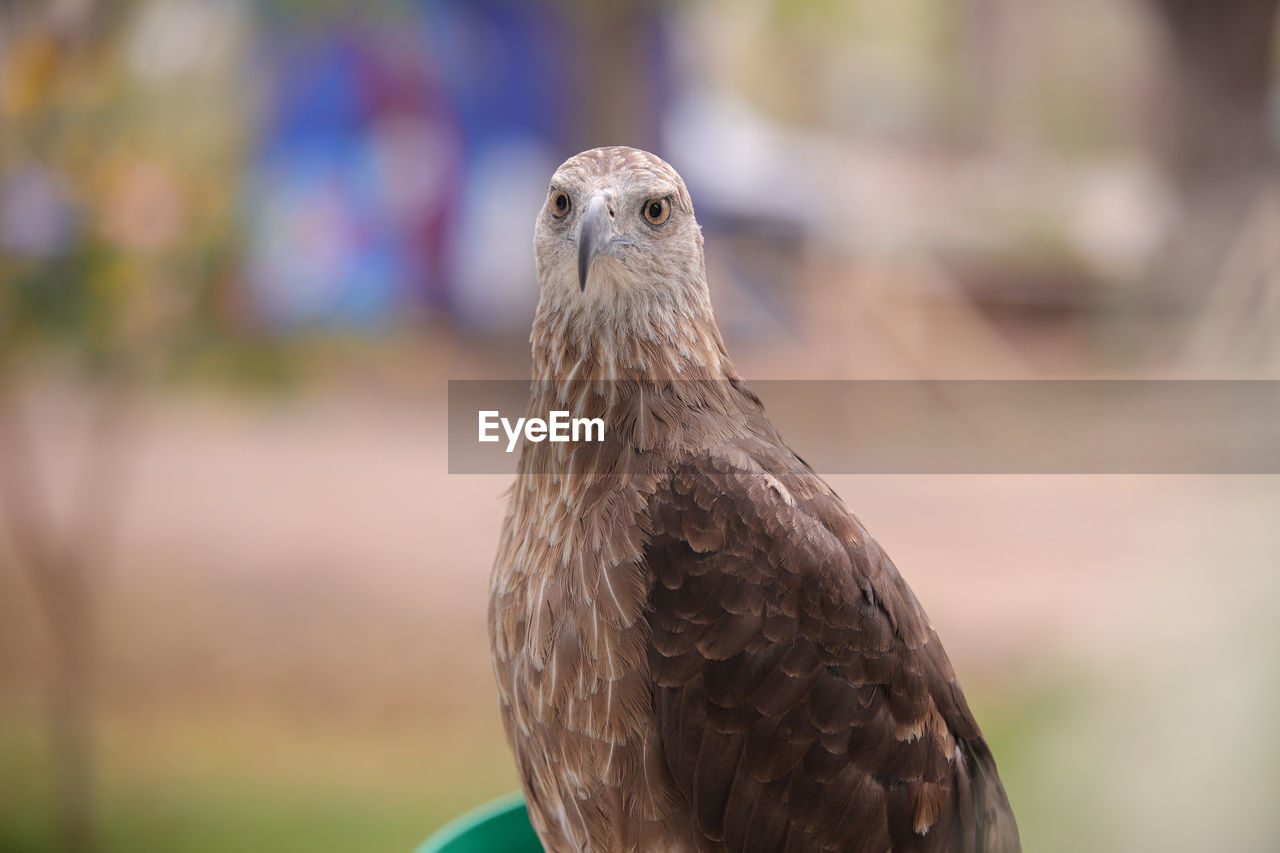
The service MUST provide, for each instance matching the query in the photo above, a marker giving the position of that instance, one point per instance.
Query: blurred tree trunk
(1218, 149)
(59, 562)
(69, 617)
(618, 72)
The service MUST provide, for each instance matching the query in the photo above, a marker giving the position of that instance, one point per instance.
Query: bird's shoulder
(755, 511)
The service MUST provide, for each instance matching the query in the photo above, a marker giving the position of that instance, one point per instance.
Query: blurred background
(243, 245)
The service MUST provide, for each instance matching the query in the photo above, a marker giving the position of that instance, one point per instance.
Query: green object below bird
(498, 826)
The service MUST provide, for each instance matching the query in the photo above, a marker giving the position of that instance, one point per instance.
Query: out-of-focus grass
(1178, 758)
(203, 781)
(1017, 728)
(200, 780)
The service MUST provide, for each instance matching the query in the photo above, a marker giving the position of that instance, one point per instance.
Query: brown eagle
(697, 645)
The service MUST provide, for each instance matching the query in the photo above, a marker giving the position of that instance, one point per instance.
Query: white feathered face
(617, 222)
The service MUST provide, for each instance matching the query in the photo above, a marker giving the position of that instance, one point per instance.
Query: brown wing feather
(804, 703)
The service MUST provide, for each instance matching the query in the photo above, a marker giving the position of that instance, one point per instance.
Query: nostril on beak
(611, 213)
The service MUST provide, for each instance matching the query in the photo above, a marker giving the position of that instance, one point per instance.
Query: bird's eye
(657, 210)
(559, 203)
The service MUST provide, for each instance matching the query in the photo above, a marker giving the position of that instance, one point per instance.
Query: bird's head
(620, 267)
(617, 224)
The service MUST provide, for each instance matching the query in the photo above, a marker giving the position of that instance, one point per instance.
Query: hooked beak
(596, 237)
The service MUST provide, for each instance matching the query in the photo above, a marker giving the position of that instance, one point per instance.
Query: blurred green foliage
(139, 150)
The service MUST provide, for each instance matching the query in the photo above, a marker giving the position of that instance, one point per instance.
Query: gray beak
(596, 237)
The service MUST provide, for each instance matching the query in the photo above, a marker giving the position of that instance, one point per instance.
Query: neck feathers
(616, 336)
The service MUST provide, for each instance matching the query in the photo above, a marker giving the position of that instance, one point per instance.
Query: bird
(697, 646)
